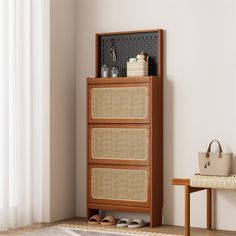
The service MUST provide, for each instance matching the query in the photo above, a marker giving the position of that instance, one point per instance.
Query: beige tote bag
(213, 163)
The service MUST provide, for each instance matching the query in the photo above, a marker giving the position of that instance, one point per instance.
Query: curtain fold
(24, 85)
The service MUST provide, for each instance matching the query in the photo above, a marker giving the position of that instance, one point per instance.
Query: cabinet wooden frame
(155, 123)
(93, 208)
(118, 120)
(120, 202)
(155, 164)
(121, 161)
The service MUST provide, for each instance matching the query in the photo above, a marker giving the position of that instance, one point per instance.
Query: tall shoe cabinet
(125, 142)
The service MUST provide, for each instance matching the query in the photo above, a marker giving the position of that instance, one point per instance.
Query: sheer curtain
(24, 111)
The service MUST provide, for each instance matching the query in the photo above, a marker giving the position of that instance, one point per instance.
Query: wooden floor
(162, 229)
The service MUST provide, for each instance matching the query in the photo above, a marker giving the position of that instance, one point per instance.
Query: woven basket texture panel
(119, 184)
(119, 143)
(119, 103)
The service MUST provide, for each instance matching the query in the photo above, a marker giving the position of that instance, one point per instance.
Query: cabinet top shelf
(146, 79)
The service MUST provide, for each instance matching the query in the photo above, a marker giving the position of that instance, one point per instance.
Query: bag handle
(209, 148)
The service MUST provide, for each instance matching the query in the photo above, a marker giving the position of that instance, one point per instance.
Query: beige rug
(84, 230)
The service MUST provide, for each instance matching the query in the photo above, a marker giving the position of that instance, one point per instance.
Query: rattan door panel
(119, 103)
(119, 185)
(119, 144)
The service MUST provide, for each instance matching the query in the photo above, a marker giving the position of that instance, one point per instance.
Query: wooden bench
(188, 191)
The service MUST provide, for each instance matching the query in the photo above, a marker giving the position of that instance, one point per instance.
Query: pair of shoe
(127, 222)
(98, 219)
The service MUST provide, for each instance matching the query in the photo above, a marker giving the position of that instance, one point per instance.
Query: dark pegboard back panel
(127, 46)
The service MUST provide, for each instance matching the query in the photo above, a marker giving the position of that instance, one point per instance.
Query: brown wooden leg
(209, 209)
(156, 217)
(187, 211)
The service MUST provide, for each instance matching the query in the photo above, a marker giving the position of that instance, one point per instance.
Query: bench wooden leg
(187, 211)
(209, 209)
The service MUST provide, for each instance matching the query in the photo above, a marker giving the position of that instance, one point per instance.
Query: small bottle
(114, 72)
(104, 71)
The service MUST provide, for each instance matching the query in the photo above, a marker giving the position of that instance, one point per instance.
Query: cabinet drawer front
(119, 144)
(115, 184)
(119, 103)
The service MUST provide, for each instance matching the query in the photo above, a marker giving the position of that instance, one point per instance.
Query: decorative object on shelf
(113, 52)
(114, 72)
(132, 60)
(213, 163)
(138, 67)
(142, 57)
(104, 71)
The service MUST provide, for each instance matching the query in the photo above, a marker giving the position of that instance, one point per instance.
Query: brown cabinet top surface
(147, 79)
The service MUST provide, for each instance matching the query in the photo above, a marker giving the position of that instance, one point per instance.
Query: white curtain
(24, 88)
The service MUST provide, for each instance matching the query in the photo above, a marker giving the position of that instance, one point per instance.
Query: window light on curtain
(24, 111)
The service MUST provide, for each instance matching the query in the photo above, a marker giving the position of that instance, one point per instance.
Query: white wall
(62, 111)
(199, 88)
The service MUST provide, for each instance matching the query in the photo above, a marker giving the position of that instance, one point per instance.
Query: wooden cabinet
(125, 128)
(125, 145)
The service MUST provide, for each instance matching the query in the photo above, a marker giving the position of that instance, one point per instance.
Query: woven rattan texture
(112, 231)
(119, 103)
(119, 184)
(217, 182)
(127, 46)
(119, 143)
